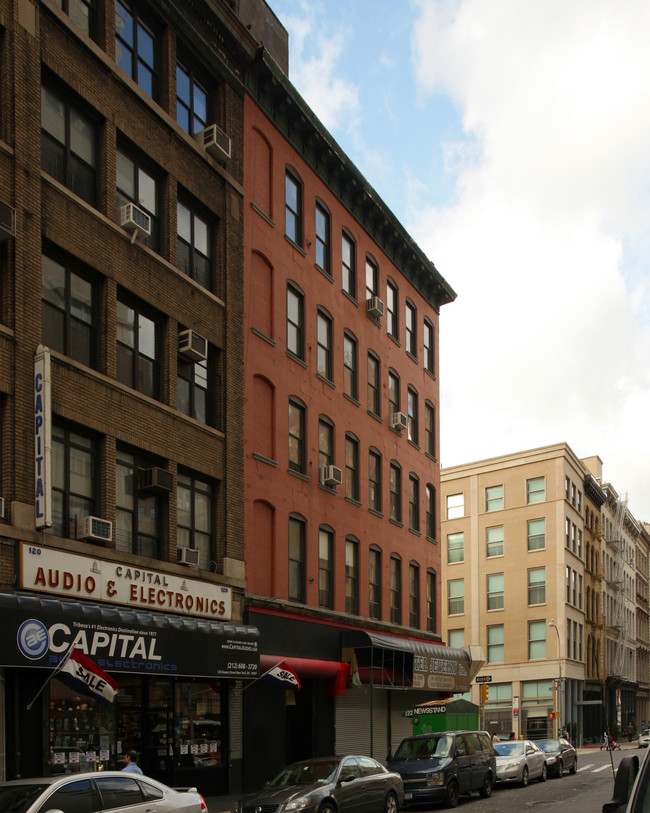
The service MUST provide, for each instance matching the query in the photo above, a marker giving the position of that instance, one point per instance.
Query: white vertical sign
(42, 438)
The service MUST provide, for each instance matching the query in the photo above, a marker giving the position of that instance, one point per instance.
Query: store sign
(440, 674)
(42, 438)
(58, 572)
(40, 635)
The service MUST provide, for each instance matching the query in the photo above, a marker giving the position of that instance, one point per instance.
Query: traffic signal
(485, 691)
(553, 715)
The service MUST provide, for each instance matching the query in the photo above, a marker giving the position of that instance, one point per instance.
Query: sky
(512, 140)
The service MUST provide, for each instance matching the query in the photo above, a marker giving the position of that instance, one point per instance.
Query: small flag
(284, 674)
(84, 676)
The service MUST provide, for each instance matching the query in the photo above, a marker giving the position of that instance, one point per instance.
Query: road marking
(584, 767)
(602, 768)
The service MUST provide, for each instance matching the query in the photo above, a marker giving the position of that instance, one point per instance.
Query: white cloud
(547, 240)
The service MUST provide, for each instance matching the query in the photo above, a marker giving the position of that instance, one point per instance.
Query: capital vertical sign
(42, 438)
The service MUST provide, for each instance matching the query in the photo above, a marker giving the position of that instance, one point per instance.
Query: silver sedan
(106, 790)
(519, 761)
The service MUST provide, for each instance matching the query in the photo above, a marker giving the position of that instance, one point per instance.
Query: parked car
(520, 761)
(439, 767)
(560, 756)
(644, 739)
(329, 785)
(97, 791)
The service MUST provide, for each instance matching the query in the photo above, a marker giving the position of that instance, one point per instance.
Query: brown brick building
(122, 260)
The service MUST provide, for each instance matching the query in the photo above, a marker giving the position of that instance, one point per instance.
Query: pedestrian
(642, 726)
(495, 737)
(512, 735)
(131, 759)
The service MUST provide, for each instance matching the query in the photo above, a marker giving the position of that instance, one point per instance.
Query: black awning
(36, 631)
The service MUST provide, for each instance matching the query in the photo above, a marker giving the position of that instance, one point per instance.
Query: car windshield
(426, 748)
(509, 749)
(305, 773)
(549, 746)
(17, 798)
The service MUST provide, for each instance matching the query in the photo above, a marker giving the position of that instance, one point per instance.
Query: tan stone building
(538, 567)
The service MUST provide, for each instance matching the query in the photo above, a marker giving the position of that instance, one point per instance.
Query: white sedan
(105, 790)
(644, 739)
(520, 761)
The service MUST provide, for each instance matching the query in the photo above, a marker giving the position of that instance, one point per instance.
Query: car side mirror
(625, 776)
(346, 777)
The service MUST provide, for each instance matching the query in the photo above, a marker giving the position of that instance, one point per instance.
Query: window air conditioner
(2, 507)
(156, 479)
(133, 219)
(374, 307)
(331, 476)
(188, 556)
(94, 529)
(215, 142)
(398, 420)
(7, 222)
(192, 346)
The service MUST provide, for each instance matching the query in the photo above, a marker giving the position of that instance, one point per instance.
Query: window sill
(262, 214)
(376, 513)
(295, 245)
(351, 399)
(352, 501)
(415, 532)
(413, 358)
(264, 459)
(414, 444)
(374, 415)
(299, 475)
(328, 276)
(263, 336)
(297, 359)
(396, 522)
(350, 297)
(326, 380)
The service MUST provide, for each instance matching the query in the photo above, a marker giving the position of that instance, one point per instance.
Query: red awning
(335, 671)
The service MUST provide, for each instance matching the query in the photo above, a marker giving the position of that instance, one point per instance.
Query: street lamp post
(552, 623)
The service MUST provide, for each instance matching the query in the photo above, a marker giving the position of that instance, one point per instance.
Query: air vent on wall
(374, 307)
(398, 420)
(192, 346)
(155, 479)
(94, 529)
(188, 556)
(134, 220)
(216, 142)
(331, 476)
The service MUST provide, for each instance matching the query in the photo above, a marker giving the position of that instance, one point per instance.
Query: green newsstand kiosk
(444, 715)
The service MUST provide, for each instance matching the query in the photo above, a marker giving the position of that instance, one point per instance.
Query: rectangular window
(536, 490)
(68, 145)
(349, 265)
(455, 506)
(393, 393)
(324, 355)
(138, 512)
(414, 596)
(412, 416)
(68, 311)
(392, 321)
(494, 498)
(137, 184)
(537, 585)
(431, 511)
(395, 590)
(293, 208)
(75, 469)
(325, 443)
(372, 278)
(81, 12)
(495, 591)
(495, 644)
(191, 102)
(414, 503)
(135, 49)
(138, 354)
(326, 569)
(297, 437)
(395, 493)
(351, 577)
(296, 559)
(374, 578)
(351, 468)
(455, 547)
(428, 347)
(536, 534)
(196, 391)
(374, 480)
(456, 638)
(411, 330)
(536, 640)
(193, 245)
(456, 596)
(374, 402)
(429, 429)
(322, 235)
(350, 382)
(295, 322)
(494, 541)
(432, 600)
(195, 498)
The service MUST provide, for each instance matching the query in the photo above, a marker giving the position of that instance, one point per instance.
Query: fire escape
(617, 617)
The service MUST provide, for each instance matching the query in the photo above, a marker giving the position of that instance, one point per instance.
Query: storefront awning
(394, 661)
(37, 631)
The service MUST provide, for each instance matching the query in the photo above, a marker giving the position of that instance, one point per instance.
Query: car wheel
(451, 794)
(543, 776)
(524, 777)
(574, 767)
(327, 808)
(390, 805)
(560, 768)
(486, 790)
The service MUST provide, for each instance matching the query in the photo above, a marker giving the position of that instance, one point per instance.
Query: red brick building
(341, 320)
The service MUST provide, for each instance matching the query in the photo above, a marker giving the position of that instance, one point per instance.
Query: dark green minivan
(439, 767)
